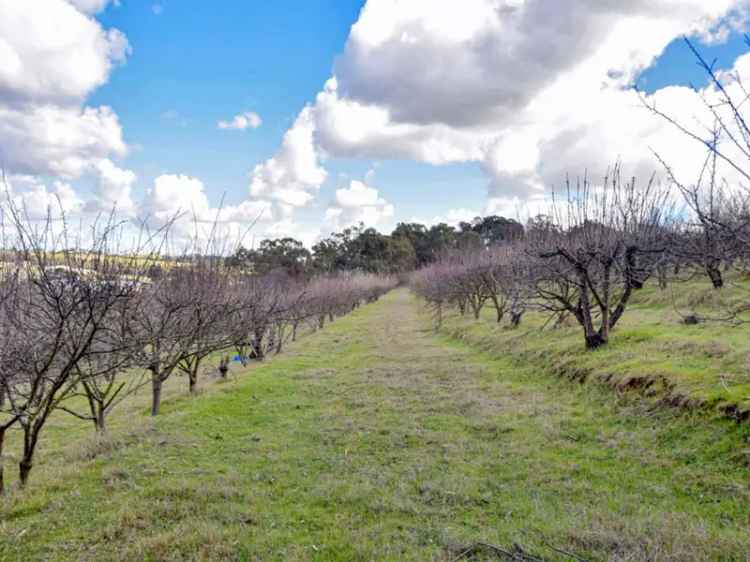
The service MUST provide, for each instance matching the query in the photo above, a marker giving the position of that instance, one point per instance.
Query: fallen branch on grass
(516, 554)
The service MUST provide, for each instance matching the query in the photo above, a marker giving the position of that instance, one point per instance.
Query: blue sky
(432, 123)
(196, 62)
(193, 64)
(677, 65)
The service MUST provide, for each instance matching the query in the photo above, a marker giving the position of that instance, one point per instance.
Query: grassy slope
(376, 440)
(704, 365)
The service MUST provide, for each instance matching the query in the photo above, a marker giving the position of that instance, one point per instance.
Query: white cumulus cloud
(114, 189)
(50, 52)
(33, 199)
(53, 55)
(93, 6)
(357, 203)
(241, 122)
(60, 141)
(530, 90)
(182, 202)
(293, 175)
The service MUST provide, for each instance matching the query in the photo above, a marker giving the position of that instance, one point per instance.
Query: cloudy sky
(302, 117)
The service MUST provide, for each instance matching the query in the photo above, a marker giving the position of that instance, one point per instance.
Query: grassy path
(377, 440)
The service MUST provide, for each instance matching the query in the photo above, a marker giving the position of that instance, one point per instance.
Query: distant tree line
(410, 246)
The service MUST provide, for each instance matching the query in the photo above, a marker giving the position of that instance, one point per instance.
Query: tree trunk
(594, 338)
(604, 305)
(515, 319)
(662, 274)
(583, 313)
(476, 307)
(257, 345)
(2, 474)
(224, 367)
(594, 341)
(193, 374)
(24, 469)
(99, 420)
(714, 274)
(561, 318)
(29, 445)
(156, 384)
(294, 331)
(321, 322)
(499, 309)
(500, 313)
(439, 316)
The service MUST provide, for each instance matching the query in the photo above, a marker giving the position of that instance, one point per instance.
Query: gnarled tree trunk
(156, 386)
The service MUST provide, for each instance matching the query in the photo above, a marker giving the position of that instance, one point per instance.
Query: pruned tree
(260, 299)
(608, 242)
(211, 309)
(62, 302)
(165, 325)
(706, 241)
(9, 414)
(716, 235)
(108, 374)
(512, 275)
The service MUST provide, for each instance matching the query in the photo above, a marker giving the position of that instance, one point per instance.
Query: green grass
(704, 366)
(376, 439)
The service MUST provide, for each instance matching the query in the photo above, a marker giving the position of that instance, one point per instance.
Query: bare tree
(717, 232)
(62, 302)
(108, 374)
(79, 318)
(164, 325)
(260, 301)
(705, 241)
(9, 415)
(498, 275)
(512, 274)
(436, 284)
(211, 312)
(607, 244)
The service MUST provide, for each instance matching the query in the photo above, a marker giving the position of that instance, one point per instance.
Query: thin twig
(565, 552)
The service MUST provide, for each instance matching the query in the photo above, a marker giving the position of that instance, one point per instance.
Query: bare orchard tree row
(83, 329)
(468, 281)
(585, 259)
